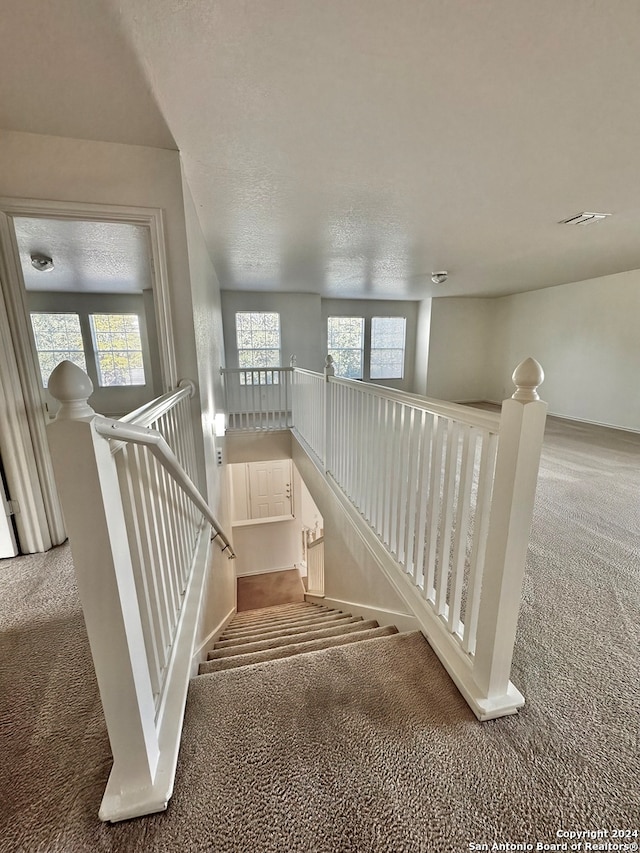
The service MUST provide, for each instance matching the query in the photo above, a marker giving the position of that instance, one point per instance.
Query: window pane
(387, 347)
(345, 342)
(58, 338)
(258, 342)
(116, 339)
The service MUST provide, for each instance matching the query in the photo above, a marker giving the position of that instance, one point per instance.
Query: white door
(7, 539)
(270, 488)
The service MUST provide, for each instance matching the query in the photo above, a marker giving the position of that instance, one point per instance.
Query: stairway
(312, 729)
(274, 633)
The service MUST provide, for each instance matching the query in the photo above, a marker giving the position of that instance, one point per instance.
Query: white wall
(267, 546)
(459, 349)
(300, 324)
(351, 573)
(585, 335)
(423, 334)
(207, 327)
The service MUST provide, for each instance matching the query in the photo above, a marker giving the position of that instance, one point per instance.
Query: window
(258, 338)
(106, 346)
(346, 345)
(118, 349)
(387, 347)
(367, 349)
(58, 337)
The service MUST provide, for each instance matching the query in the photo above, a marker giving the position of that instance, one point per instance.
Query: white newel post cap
(329, 369)
(292, 361)
(71, 387)
(527, 377)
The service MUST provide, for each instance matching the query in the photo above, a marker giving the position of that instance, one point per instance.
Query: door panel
(270, 488)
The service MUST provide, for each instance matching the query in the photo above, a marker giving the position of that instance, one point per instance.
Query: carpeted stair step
(282, 632)
(295, 649)
(271, 612)
(311, 610)
(321, 619)
(291, 639)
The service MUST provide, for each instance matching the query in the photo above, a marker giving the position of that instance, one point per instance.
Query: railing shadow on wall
(139, 534)
(448, 490)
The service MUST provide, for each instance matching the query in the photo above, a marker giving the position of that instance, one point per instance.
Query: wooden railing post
(87, 482)
(329, 371)
(519, 447)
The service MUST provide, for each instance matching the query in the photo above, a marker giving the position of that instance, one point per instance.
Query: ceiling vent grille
(584, 218)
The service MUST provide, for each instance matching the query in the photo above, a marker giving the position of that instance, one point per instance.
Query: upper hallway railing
(258, 398)
(138, 529)
(448, 490)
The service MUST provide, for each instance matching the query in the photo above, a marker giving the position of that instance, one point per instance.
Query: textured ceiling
(88, 257)
(350, 147)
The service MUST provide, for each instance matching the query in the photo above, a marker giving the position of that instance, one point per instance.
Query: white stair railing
(138, 529)
(449, 491)
(257, 398)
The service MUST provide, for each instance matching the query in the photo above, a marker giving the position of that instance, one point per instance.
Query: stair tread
(295, 649)
(230, 632)
(281, 632)
(291, 639)
(264, 613)
(279, 617)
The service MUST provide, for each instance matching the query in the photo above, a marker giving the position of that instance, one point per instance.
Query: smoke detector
(43, 263)
(584, 218)
(439, 277)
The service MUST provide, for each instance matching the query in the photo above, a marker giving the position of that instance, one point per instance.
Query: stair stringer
(457, 663)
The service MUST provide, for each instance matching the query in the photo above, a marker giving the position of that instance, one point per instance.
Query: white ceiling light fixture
(43, 263)
(439, 277)
(584, 218)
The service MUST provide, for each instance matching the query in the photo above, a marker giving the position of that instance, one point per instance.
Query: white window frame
(367, 348)
(97, 351)
(402, 349)
(334, 351)
(277, 350)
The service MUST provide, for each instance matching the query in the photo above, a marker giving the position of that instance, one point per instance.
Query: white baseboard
(560, 417)
(200, 654)
(402, 621)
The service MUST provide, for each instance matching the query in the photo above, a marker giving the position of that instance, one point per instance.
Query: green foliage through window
(58, 338)
(258, 342)
(118, 348)
(346, 345)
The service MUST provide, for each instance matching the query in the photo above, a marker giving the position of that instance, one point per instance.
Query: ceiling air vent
(584, 218)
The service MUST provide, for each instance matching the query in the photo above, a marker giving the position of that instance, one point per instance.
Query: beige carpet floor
(365, 747)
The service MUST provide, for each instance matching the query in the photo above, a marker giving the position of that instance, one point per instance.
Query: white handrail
(456, 411)
(151, 438)
(150, 412)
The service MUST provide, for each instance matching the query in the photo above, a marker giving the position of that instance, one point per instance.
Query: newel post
(519, 446)
(87, 482)
(329, 371)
